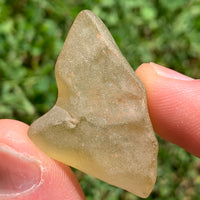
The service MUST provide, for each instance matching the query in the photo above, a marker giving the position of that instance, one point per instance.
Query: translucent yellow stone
(100, 122)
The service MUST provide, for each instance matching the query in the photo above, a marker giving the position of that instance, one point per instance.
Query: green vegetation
(32, 34)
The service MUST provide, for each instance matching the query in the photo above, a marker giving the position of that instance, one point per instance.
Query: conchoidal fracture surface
(100, 122)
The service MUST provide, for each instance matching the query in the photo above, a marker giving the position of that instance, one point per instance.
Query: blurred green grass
(32, 34)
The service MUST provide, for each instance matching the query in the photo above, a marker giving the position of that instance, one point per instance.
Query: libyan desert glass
(100, 122)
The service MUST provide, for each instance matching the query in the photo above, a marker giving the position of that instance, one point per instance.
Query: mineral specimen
(100, 123)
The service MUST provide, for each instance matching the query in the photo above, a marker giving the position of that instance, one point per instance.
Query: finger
(174, 105)
(28, 174)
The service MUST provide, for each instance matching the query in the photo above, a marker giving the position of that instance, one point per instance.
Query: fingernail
(18, 173)
(169, 73)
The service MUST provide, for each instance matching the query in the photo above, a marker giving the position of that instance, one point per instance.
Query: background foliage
(32, 33)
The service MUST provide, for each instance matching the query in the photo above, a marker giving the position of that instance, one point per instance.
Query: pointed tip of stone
(88, 18)
(88, 13)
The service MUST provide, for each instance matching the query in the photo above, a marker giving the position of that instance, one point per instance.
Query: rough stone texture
(100, 123)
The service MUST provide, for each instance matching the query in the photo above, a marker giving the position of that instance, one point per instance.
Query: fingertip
(34, 175)
(146, 74)
(11, 124)
(173, 102)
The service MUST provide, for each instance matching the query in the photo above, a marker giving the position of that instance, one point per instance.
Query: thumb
(26, 173)
(174, 105)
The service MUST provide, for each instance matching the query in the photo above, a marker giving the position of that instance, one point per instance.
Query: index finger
(174, 105)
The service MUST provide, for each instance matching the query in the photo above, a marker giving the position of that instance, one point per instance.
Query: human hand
(174, 105)
(27, 173)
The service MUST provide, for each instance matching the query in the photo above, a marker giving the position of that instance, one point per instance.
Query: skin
(174, 105)
(174, 108)
(53, 180)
